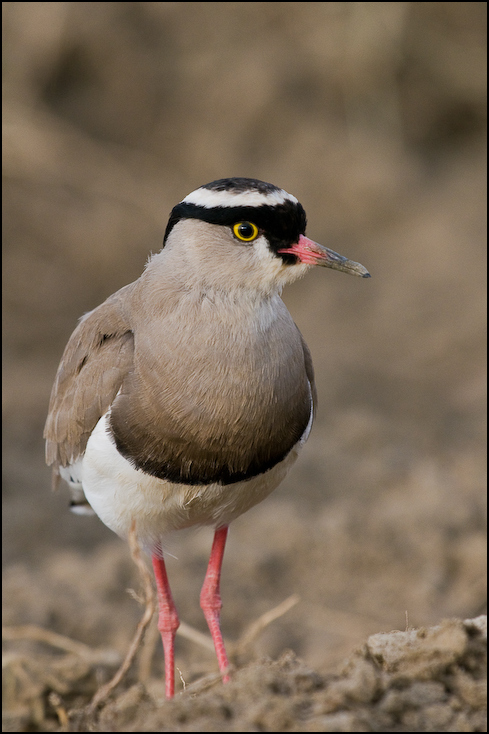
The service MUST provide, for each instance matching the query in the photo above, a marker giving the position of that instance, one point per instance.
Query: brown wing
(310, 372)
(97, 356)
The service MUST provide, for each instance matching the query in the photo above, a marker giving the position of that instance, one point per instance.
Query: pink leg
(168, 622)
(210, 598)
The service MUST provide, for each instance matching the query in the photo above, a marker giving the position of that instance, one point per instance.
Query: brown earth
(373, 115)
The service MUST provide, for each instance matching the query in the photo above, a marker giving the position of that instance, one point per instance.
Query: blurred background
(374, 116)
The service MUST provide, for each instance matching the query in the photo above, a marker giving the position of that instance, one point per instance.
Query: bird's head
(241, 232)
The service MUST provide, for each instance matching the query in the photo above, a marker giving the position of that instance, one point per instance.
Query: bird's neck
(170, 286)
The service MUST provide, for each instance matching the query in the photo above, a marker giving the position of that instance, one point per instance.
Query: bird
(184, 398)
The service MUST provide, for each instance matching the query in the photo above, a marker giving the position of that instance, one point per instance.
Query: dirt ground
(373, 115)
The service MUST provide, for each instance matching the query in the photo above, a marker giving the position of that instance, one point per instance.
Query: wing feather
(97, 357)
(309, 372)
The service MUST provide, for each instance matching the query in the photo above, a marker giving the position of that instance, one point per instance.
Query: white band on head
(211, 198)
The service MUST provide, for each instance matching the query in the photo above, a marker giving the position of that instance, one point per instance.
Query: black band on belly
(200, 473)
(204, 469)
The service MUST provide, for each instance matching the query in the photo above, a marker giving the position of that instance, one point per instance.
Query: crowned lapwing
(184, 399)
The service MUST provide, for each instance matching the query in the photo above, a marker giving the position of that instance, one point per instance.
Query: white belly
(119, 493)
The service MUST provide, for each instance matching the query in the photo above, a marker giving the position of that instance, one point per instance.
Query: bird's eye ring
(245, 231)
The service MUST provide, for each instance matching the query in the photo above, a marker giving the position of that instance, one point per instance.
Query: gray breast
(224, 411)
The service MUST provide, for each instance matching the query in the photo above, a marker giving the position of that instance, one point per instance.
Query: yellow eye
(245, 231)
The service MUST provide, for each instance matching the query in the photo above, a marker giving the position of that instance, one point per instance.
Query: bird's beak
(311, 253)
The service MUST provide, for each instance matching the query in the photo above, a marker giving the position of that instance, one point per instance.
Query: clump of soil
(429, 679)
